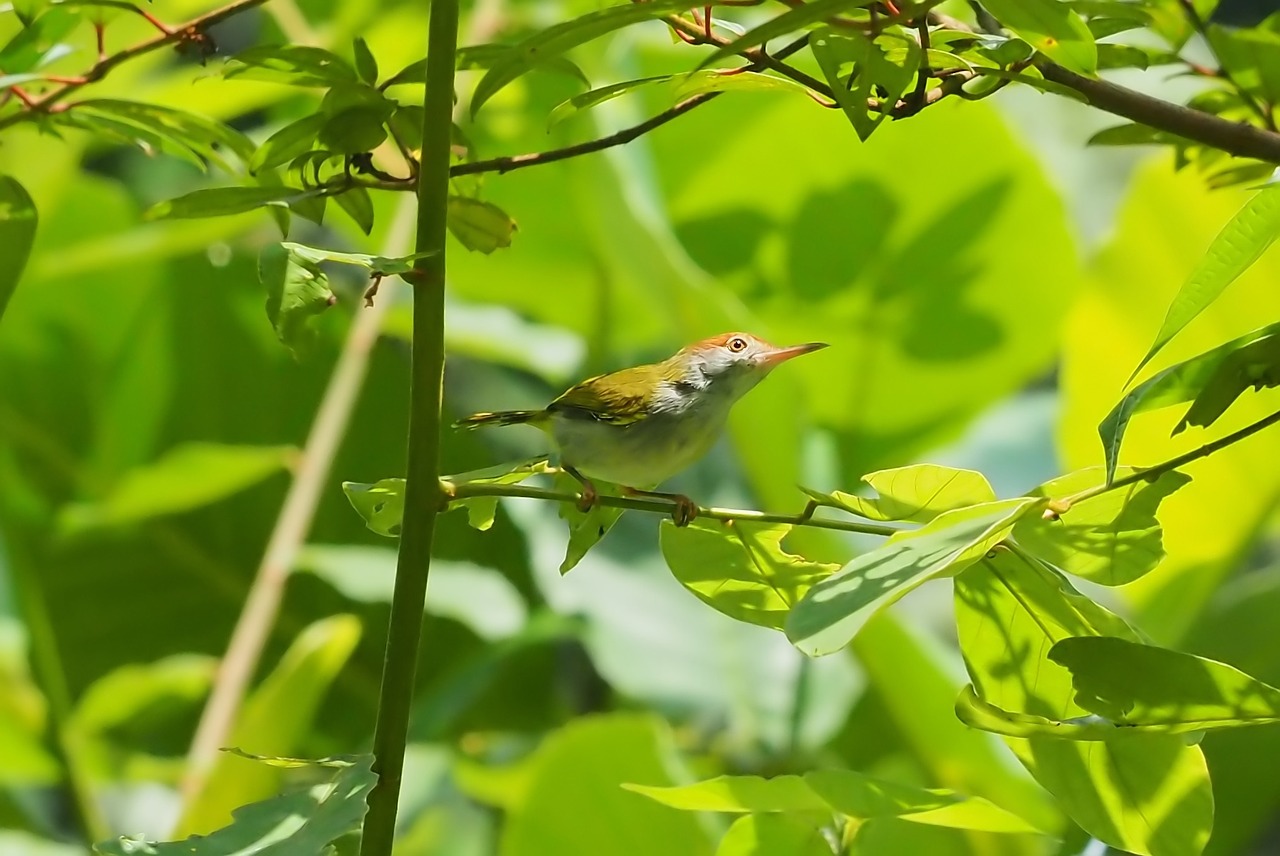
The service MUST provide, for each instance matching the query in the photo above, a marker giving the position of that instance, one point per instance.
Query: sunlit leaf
(297, 291)
(916, 493)
(775, 834)
(1051, 27)
(1213, 380)
(1240, 243)
(585, 528)
(844, 792)
(1113, 538)
(380, 265)
(381, 504)
(479, 225)
(17, 232)
(1143, 793)
(210, 140)
(482, 509)
(277, 715)
(829, 615)
(1143, 686)
(41, 42)
(587, 100)
(555, 40)
(740, 568)
(303, 822)
(187, 477)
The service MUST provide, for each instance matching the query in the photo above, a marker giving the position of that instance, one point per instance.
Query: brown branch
(1234, 138)
(187, 32)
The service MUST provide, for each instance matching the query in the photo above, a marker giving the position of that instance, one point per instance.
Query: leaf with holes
(297, 291)
(877, 72)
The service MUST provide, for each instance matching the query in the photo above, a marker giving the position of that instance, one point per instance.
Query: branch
(663, 506)
(192, 31)
(1234, 138)
(620, 138)
(1152, 473)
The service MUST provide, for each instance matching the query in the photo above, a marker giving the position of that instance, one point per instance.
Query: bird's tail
(502, 417)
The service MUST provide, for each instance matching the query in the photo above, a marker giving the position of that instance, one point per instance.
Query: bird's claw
(590, 496)
(685, 511)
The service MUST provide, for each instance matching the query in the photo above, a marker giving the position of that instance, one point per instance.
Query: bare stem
(663, 506)
(424, 497)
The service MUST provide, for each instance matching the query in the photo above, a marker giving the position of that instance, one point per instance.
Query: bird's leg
(589, 493)
(684, 512)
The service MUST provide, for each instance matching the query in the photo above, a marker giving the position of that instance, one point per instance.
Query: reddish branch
(190, 33)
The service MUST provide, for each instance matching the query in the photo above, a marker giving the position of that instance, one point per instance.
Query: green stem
(424, 497)
(1153, 473)
(662, 506)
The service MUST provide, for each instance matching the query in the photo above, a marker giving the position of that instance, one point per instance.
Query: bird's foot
(590, 496)
(682, 514)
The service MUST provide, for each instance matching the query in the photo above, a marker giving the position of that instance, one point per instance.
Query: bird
(639, 426)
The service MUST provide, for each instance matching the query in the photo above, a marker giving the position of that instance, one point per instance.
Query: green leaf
(833, 611)
(478, 597)
(740, 569)
(187, 477)
(482, 509)
(917, 493)
(478, 225)
(278, 716)
(356, 201)
(591, 98)
(571, 803)
(776, 835)
(795, 18)
(1240, 243)
(296, 65)
(1213, 380)
(17, 233)
(41, 42)
(1143, 793)
(297, 291)
(1051, 27)
(380, 504)
(844, 792)
(208, 139)
(1112, 539)
(380, 265)
(354, 130)
(876, 70)
(485, 56)
(221, 201)
(1133, 134)
(555, 40)
(366, 63)
(974, 712)
(287, 143)
(304, 822)
(585, 528)
(1147, 687)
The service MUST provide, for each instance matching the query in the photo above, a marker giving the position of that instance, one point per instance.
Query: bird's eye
(737, 344)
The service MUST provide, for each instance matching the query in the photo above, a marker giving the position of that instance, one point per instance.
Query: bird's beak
(781, 355)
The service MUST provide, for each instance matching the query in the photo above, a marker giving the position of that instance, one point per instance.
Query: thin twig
(620, 138)
(1152, 473)
(664, 506)
(182, 32)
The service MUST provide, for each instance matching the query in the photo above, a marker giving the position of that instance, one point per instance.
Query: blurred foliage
(177, 291)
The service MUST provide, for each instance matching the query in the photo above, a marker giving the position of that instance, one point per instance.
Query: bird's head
(735, 362)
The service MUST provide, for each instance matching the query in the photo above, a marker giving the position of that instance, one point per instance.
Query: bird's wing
(618, 398)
